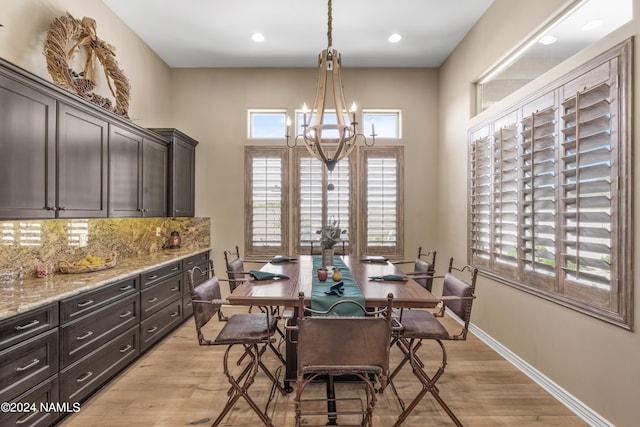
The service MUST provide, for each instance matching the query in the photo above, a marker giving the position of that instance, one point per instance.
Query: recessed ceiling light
(395, 38)
(548, 39)
(257, 37)
(592, 24)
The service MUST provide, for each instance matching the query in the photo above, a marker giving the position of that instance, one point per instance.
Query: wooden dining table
(300, 272)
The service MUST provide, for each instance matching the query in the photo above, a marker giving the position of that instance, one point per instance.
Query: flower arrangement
(330, 234)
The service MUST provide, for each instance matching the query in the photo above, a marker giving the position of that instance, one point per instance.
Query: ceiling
(209, 33)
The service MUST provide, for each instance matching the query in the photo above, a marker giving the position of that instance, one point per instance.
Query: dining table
(376, 277)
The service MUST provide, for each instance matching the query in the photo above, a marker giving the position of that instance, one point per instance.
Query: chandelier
(329, 131)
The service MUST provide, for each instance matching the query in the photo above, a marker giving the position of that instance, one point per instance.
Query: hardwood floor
(179, 383)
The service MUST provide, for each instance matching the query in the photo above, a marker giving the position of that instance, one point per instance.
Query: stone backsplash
(29, 243)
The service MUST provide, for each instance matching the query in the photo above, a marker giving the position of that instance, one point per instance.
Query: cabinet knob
(62, 208)
(50, 208)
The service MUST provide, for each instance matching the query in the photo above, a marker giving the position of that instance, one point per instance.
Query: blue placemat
(320, 300)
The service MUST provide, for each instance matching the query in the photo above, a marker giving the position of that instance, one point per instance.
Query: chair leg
(240, 386)
(428, 383)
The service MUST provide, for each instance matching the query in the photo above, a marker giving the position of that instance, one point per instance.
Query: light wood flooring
(179, 383)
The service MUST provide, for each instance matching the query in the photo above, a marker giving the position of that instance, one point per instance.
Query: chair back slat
(235, 270)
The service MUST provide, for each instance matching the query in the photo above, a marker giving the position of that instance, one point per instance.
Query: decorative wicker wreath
(66, 30)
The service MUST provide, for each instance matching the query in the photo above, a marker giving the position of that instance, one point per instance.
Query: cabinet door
(82, 164)
(183, 174)
(125, 173)
(155, 157)
(27, 144)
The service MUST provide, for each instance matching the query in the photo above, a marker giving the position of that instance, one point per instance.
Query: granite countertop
(31, 293)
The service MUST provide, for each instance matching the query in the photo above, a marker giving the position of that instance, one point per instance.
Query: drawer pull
(126, 348)
(85, 336)
(175, 268)
(26, 419)
(174, 314)
(152, 330)
(127, 314)
(33, 363)
(154, 299)
(86, 303)
(84, 377)
(152, 277)
(126, 288)
(175, 288)
(191, 263)
(28, 325)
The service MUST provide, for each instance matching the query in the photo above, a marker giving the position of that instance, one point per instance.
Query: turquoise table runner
(350, 290)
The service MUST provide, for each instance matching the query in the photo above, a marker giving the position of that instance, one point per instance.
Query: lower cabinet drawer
(27, 364)
(157, 296)
(37, 407)
(19, 328)
(158, 325)
(87, 333)
(82, 378)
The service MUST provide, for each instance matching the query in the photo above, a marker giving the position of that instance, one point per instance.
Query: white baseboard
(587, 414)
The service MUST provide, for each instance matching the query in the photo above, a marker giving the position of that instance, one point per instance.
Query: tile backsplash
(29, 243)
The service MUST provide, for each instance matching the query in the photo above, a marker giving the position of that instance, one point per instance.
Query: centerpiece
(329, 237)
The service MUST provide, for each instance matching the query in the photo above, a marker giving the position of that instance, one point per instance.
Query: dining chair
(252, 332)
(423, 268)
(421, 325)
(331, 346)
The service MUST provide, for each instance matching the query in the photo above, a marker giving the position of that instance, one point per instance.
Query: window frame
(270, 112)
(272, 153)
(397, 153)
(612, 303)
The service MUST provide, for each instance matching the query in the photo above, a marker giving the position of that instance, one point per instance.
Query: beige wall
(211, 105)
(25, 24)
(595, 362)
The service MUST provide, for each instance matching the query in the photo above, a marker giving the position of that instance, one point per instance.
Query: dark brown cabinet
(138, 174)
(64, 157)
(182, 166)
(160, 302)
(82, 164)
(64, 352)
(98, 337)
(29, 363)
(27, 143)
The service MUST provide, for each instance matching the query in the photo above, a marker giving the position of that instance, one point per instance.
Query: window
(267, 124)
(549, 191)
(316, 196)
(323, 197)
(382, 201)
(385, 123)
(585, 22)
(266, 213)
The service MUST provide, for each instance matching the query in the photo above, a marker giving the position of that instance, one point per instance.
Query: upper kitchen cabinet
(182, 167)
(27, 144)
(82, 164)
(138, 174)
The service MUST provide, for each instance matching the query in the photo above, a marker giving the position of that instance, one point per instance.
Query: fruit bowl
(88, 264)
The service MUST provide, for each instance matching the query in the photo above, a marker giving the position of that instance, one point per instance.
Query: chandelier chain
(329, 28)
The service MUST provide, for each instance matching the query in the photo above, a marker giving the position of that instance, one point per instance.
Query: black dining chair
(418, 326)
(253, 333)
(330, 346)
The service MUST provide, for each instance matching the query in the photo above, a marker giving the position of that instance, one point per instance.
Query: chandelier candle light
(329, 142)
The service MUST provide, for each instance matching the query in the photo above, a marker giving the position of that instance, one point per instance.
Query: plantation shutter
(383, 200)
(538, 189)
(588, 182)
(317, 203)
(266, 210)
(505, 198)
(480, 197)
